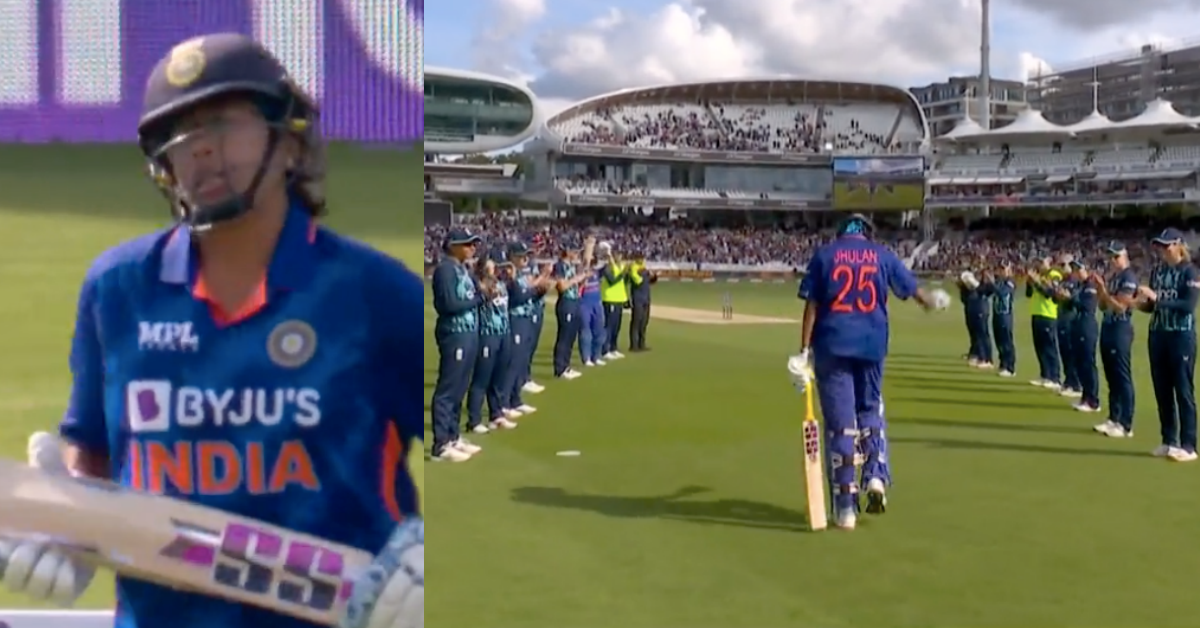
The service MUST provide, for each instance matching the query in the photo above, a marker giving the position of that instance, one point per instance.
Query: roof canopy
(965, 128)
(1095, 121)
(1029, 123)
(1159, 115)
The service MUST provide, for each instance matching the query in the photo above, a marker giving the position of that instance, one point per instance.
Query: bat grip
(809, 412)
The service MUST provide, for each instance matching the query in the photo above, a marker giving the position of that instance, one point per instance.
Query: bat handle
(809, 412)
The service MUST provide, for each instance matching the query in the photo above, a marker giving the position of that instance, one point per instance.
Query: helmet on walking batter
(856, 224)
(210, 69)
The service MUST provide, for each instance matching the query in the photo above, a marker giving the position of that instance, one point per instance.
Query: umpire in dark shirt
(640, 280)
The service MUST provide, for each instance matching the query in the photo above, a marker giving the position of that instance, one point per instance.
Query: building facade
(469, 112)
(1120, 85)
(948, 102)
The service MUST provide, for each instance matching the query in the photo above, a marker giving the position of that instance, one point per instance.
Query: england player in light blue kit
(246, 359)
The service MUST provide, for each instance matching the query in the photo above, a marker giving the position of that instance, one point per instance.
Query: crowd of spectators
(984, 244)
(706, 126)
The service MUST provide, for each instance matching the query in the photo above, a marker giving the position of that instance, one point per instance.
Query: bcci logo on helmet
(186, 63)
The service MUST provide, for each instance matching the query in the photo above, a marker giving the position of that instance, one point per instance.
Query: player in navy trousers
(845, 338)
(495, 358)
(525, 288)
(1085, 334)
(1000, 289)
(1066, 328)
(1116, 341)
(245, 359)
(567, 310)
(456, 299)
(1171, 301)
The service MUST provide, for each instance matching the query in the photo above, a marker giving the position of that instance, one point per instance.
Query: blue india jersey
(848, 281)
(300, 409)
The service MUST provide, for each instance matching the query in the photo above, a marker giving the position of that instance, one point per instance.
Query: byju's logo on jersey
(167, 337)
(158, 406)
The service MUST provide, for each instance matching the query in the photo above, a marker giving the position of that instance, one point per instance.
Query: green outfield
(60, 207)
(865, 194)
(685, 507)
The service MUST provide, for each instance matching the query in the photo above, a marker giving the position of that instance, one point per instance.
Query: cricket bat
(181, 545)
(814, 466)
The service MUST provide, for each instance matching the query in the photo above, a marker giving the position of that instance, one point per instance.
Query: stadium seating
(858, 128)
(584, 186)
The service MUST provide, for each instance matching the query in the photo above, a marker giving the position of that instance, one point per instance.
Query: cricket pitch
(709, 317)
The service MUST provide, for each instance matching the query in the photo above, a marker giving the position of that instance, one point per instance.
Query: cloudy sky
(570, 49)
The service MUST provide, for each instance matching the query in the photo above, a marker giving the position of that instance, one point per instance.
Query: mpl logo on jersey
(182, 463)
(167, 337)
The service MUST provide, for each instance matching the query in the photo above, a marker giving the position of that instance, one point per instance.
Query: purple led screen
(74, 70)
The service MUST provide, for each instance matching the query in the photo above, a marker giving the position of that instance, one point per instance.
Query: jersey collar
(291, 266)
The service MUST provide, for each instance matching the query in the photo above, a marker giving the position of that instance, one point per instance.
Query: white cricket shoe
(589, 364)
(1071, 393)
(480, 429)
(532, 387)
(1119, 431)
(570, 374)
(876, 497)
(616, 355)
(1162, 451)
(1105, 427)
(1179, 454)
(525, 409)
(511, 413)
(1040, 383)
(1049, 385)
(601, 363)
(846, 519)
(503, 423)
(1085, 407)
(1007, 374)
(465, 446)
(450, 454)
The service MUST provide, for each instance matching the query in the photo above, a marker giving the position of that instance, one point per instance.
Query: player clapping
(1171, 299)
(1117, 295)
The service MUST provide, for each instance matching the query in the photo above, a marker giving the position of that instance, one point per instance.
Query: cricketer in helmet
(225, 129)
(285, 309)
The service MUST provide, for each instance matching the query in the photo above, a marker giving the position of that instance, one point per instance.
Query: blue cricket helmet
(207, 69)
(856, 224)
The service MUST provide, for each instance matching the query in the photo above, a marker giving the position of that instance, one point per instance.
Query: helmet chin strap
(201, 219)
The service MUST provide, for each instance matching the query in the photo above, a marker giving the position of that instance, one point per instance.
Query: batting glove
(39, 569)
(800, 370)
(391, 594)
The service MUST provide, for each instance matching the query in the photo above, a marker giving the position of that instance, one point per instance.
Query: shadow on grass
(990, 425)
(953, 386)
(913, 377)
(927, 359)
(989, 403)
(676, 506)
(971, 445)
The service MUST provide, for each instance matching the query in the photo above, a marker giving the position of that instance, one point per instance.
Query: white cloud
(1030, 66)
(895, 42)
(899, 42)
(496, 47)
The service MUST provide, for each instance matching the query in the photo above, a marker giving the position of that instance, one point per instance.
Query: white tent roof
(965, 128)
(1095, 121)
(1028, 122)
(1158, 114)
